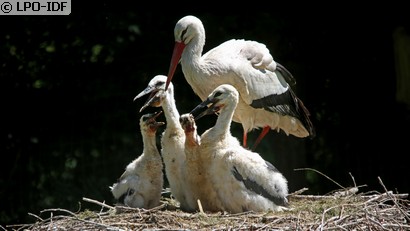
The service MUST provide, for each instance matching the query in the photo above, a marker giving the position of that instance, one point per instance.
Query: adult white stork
(243, 180)
(266, 99)
(197, 167)
(172, 139)
(140, 186)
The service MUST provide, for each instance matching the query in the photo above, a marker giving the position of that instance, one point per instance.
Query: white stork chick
(197, 175)
(172, 140)
(266, 99)
(243, 180)
(140, 186)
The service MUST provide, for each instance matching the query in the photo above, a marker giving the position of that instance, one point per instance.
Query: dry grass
(342, 210)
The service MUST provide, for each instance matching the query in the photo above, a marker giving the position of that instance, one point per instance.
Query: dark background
(69, 124)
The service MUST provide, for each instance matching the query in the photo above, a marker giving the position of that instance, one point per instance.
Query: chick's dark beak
(209, 104)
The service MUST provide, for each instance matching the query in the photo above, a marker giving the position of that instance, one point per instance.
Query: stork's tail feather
(304, 116)
(306, 121)
(286, 74)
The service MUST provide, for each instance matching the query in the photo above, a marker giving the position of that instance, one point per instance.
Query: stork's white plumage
(140, 186)
(243, 180)
(266, 99)
(172, 139)
(197, 167)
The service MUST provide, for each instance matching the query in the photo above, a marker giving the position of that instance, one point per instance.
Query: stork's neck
(193, 50)
(192, 139)
(150, 144)
(170, 110)
(223, 123)
(192, 66)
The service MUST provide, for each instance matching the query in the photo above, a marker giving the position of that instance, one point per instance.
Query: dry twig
(370, 211)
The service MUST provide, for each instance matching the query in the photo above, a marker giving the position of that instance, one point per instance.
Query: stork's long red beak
(176, 56)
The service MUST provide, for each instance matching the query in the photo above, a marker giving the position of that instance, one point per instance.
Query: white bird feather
(198, 176)
(141, 184)
(266, 99)
(172, 140)
(242, 179)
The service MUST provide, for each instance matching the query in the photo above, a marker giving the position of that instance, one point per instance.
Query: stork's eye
(146, 117)
(183, 34)
(131, 191)
(217, 94)
(159, 84)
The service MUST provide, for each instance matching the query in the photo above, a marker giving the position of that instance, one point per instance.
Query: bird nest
(341, 210)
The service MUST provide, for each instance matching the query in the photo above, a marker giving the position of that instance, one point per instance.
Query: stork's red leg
(245, 137)
(265, 131)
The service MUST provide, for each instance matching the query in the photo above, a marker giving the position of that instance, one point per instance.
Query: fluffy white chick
(242, 179)
(141, 184)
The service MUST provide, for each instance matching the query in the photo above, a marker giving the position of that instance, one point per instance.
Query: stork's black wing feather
(258, 189)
